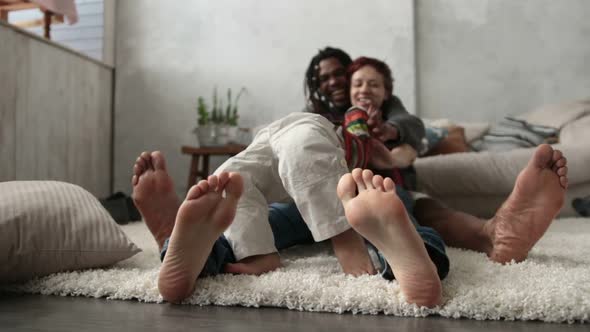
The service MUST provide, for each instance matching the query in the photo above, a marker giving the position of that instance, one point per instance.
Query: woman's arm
(410, 129)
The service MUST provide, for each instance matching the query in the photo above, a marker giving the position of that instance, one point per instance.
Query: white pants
(297, 158)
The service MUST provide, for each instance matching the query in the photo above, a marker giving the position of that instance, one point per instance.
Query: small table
(202, 170)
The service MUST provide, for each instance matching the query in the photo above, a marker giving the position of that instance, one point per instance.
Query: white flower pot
(206, 135)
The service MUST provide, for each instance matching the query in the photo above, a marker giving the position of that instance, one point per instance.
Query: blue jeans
(289, 229)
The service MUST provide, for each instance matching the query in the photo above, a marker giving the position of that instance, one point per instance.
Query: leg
(154, 196)
(537, 197)
(250, 235)
(202, 218)
(458, 229)
(310, 164)
(379, 215)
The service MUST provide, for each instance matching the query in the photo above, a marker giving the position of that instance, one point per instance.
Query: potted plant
(205, 131)
(220, 125)
(231, 114)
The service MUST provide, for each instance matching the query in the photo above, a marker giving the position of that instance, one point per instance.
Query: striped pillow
(50, 226)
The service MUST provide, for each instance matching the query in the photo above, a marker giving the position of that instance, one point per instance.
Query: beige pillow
(49, 226)
(557, 115)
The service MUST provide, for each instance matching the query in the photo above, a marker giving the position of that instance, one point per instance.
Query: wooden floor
(64, 314)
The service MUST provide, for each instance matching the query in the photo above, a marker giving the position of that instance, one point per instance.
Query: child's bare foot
(352, 253)
(154, 196)
(536, 199)
(201, 219)
(378, 214)
(256, 265)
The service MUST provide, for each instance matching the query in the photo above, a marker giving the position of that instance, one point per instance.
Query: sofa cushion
(557, 115)
(454, 142)
(576, 133)
(50, 226)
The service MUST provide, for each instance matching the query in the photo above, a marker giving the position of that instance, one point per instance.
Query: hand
(386, 132)
(375, 119)
(382, 130)
(380, 157)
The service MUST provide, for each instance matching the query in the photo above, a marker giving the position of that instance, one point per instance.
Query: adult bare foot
(378, 214)
(537, 197)
(202, 217)
(154, 196)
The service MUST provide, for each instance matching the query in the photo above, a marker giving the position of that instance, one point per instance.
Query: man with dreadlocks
(326, 89)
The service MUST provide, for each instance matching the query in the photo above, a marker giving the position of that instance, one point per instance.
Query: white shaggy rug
(553, 285)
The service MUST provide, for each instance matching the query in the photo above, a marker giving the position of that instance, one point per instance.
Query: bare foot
(378, 214)
(201, 219)
(537, 197)
(352, 253)
(256, 265)
(154, 196)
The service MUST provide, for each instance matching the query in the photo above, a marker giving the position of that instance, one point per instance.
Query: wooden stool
(202, 170)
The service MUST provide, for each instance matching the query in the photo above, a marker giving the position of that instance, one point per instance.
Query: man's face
(333, 84)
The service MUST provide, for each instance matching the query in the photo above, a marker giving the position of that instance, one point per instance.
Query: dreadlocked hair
(311, 84)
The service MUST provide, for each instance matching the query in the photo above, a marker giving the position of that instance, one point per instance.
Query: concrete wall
(166, 56)
(469, 60)
(483, 59)
(55, 113)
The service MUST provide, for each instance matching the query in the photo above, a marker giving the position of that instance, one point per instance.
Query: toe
(134, 180)
(542, 157)
(137, 169)
(197, 190)
(158, 160)
(141, 165)
(388, 185)
(561, 162)
(145, 156)
(234, 186)
(357, 176)
(346, 189)
(562, 171)
(563, 181)
(222, 179)
(378, 182)
(557, 154)
(368, 179)
(213, 182)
